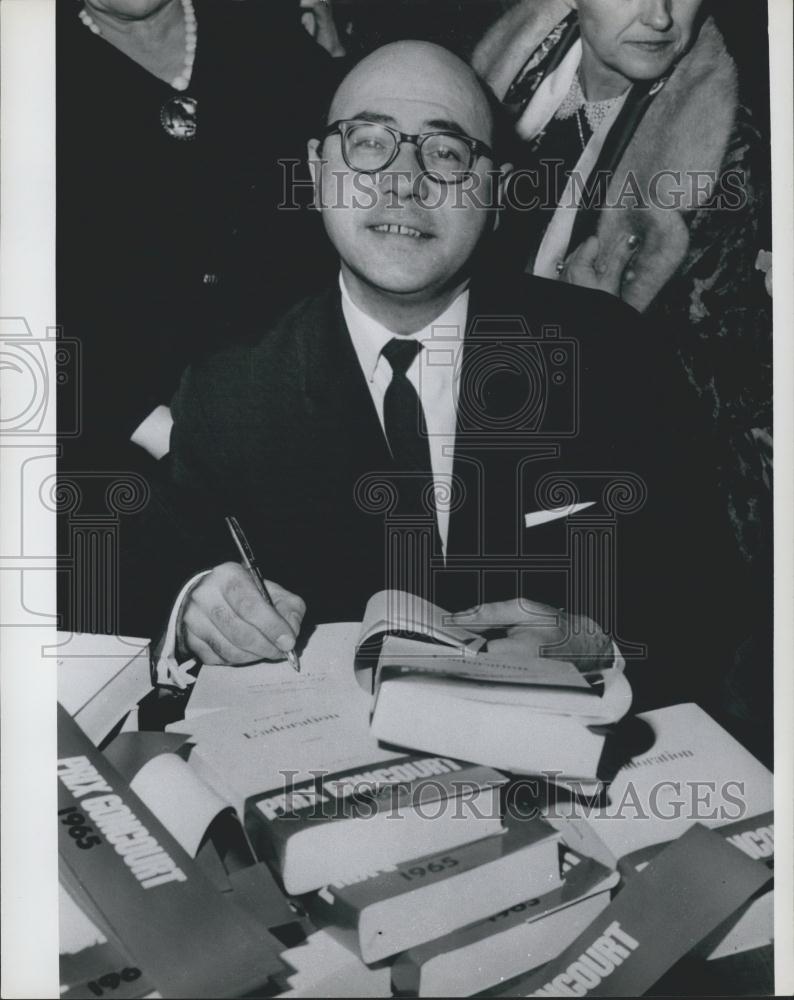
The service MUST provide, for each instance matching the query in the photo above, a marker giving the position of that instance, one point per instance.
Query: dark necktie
(406, 432)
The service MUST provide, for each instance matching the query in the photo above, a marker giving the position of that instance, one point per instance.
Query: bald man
(407, 426)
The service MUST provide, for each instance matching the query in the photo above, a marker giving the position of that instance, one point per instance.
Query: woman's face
(637, 39)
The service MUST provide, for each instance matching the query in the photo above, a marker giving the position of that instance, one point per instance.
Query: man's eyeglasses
(446, 157)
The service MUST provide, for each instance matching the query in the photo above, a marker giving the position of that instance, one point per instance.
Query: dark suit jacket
(563, 397)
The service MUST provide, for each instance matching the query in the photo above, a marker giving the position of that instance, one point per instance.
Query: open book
(404, 633)
(413, 665)
(436, 687)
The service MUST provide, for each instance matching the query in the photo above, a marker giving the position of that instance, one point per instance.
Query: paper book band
(148, 891)
(202, 821)
(389, 785)
(206, 826)
(659, 916)
(754, 835)
(99, 970)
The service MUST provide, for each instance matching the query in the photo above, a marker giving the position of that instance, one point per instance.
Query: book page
(577, 702)
(400, 655)
(398, 611)
(326, 670)
(252, 750)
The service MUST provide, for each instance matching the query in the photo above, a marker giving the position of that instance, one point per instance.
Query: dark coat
(160, 249)
(695, 274)
(562, 397)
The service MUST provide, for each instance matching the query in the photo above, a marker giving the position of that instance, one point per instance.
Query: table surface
(751, 973)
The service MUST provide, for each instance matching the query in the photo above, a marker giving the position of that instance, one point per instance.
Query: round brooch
(179, 117)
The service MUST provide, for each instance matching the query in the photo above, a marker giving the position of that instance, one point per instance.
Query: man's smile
(394, 229)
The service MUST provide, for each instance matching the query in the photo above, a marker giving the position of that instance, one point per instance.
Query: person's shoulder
(240, 377)
(549, 303)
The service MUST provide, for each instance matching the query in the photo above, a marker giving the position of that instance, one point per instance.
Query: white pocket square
(555, 513)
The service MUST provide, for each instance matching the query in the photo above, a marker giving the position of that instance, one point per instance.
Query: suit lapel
(492, 388)
(502, 440)
(336, 389)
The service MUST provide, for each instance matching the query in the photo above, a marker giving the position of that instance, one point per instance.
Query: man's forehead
(416, 110)
(415, 81)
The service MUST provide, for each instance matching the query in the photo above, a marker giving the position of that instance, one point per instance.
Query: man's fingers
(200, 650)
(249, 604)
(201, 632)
(486, 616)
(214, 605)
(228, 619)
(291, 607)
(506, 613)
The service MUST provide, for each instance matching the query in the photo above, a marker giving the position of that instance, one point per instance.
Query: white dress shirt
(435, 374)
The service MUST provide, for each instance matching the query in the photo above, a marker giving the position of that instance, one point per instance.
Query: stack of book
(378, 804)
(138, 911)
(406, 859)
(438, 688)
(413, 861)
(685, 769)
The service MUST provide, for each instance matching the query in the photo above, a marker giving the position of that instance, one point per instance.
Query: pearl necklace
(596, 112)
(182, 81)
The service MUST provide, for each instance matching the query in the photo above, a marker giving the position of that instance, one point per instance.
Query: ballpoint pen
(250, 563)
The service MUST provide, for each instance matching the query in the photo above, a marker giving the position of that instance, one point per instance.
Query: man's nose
(658, 14)
(404, 176)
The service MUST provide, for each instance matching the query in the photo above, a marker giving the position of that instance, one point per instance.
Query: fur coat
(695, 271)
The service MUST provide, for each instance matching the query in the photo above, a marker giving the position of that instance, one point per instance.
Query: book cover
(685, 769)
(330, 827)
(245, 752)
(510, 942)
(407, 904)
(686, 891)
(425, 713)
(144, 889)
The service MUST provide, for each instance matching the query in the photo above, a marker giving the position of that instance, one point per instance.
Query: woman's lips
(652, 48)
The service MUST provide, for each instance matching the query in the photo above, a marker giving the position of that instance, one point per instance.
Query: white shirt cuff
(167, 672)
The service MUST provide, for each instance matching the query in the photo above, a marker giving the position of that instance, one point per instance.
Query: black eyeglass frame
(476, 148)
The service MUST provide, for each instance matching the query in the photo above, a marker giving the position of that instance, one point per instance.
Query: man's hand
(225, 620)
(584, 268)
(529, 627)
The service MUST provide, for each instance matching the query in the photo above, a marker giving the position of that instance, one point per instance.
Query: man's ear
(315, 169)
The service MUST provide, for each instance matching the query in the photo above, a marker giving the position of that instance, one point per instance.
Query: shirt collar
(370, 337)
